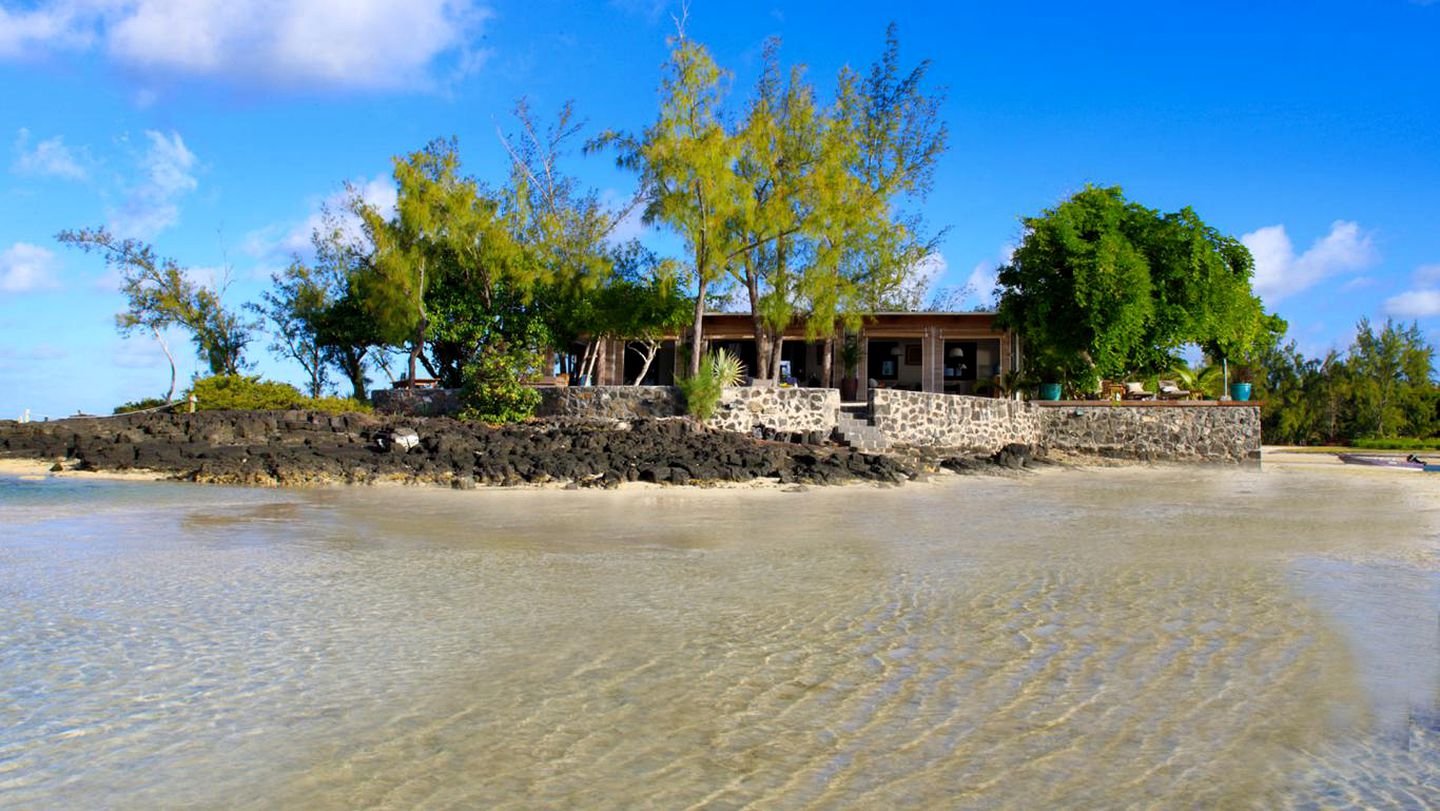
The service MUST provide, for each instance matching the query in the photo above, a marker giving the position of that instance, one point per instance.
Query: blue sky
(217, 128)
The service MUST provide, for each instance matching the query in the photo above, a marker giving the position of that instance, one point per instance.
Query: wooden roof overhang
(738, 326)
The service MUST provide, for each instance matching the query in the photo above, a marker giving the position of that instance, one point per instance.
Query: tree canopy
(159, 294)
(1103, 287)
(799, 203)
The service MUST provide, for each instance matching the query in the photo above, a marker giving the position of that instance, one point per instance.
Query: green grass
(1398, 444)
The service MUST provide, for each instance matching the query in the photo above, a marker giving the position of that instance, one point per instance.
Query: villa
(954, 353)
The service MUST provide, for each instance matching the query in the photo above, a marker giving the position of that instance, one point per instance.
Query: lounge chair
(1136, 391)
(1170, 390)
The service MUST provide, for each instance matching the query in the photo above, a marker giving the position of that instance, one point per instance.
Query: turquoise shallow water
(1124, 638)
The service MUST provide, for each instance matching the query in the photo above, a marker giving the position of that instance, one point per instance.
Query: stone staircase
(854, 429)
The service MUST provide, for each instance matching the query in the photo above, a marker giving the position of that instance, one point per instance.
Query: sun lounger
(1136, 391)
(1170, 390)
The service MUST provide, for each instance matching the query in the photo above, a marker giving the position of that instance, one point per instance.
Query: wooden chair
(1111, 390)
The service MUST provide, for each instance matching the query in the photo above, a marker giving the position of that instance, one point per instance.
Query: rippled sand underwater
(1163, 638)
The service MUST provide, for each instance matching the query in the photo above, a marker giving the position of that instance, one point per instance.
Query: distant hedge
(1398, 444)
(250, 393)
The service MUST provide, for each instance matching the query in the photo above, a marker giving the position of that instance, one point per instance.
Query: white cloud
(1414, 304)
(152, 204)
(50, 157)
(1420, 303)
(982, 279)
(25, 268)
(1280, 273)
(280, 241)
(371, 44)
(27, 33)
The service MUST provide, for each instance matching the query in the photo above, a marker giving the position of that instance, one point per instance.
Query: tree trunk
(421, 325)
(777, 353)
(757, 324)
(647, 357)
(586, 362)
(170, 395)
(414, 356)
(315, 367)
(695, 352)
(352, 365)
(827, 376)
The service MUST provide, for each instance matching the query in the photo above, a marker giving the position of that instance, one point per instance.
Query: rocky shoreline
(295, 448)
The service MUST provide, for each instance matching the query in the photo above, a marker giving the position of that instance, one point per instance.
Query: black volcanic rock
(293, 448)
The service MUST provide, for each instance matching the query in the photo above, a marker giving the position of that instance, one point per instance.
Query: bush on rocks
(243, 393)
(250, 393)
(493, 386)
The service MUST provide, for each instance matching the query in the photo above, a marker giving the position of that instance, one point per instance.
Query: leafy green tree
(445, 271)
(160, 295)
(1393, 390)
(880, 145)
(567, 229)
(1101, 287)
(702, 392)
(685, 161)
(778, 148)
(1381, 387)
(345, 333)
(294, 307)
(642, 304)
(235, 392)
(403, 268)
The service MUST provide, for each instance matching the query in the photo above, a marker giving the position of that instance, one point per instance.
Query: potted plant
(1240, 387)
(1049, 377)
(850, 360)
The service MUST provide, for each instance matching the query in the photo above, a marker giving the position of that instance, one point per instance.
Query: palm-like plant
(702, 391)
(1207, 379)
(727, 368)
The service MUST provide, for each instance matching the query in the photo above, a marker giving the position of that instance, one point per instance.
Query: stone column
(932, 358)
(863, 392)
(617, 362)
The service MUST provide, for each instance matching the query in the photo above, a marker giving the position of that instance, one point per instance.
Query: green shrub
(1398, 444)
(139, 405)
(337, 405)
(493, 386)
(702, 391)
(243, 393)
(250, 393)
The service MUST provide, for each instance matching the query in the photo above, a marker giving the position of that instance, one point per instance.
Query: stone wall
(778, 410)
(741, 409)
(929, 419)
(609, 402)
(1181, 431)
(1190, 432)
(416, 402)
